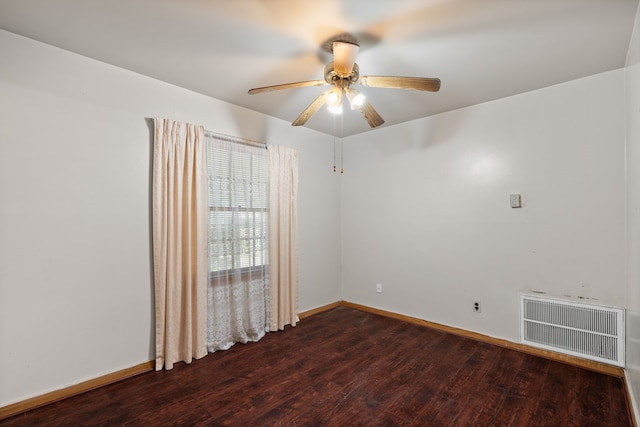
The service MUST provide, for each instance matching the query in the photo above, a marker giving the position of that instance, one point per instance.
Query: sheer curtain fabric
(180, 258)
(283, 236)
(238, 291)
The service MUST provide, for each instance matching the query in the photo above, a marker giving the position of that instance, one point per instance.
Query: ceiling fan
(342, 73)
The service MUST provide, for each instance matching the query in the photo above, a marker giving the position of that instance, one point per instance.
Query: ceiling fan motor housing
(333, 78)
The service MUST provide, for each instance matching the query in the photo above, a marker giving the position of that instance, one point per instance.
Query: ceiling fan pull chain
(341, 144)
(334, 153)
(334, 143)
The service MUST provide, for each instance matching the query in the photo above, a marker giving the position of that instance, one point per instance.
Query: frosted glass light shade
(334, 97)
(356, 99)
(344, 56)
(334, 100)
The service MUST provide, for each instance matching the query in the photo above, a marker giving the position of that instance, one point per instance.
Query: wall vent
(584, 330)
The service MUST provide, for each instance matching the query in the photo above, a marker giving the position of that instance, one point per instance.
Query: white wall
(632, 91)
(75, 259)
(425, 207)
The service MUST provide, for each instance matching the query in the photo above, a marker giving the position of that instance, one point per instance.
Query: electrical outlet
(476, 307)
(379, 288)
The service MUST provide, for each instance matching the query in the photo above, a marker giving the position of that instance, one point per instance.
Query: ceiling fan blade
(371, 115)
(310, 110)
(286, 86)
(414, 83)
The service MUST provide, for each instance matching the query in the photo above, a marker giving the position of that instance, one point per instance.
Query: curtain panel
(283, 236)
(180, 258)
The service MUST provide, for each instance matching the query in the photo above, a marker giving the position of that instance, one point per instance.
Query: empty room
(285, 212)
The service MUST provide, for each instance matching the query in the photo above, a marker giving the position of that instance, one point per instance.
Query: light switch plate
(515, 201)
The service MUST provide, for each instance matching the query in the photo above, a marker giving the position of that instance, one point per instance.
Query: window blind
(237, 199)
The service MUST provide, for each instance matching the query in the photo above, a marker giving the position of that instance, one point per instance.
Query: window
(237, 206)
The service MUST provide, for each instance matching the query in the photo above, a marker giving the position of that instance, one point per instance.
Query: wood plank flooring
(345, 367)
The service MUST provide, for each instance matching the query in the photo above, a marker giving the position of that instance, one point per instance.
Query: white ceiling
(480, 49)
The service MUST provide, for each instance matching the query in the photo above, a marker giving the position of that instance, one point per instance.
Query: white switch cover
(515, 201)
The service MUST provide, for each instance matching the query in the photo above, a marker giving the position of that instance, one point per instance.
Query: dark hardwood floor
(345, 367)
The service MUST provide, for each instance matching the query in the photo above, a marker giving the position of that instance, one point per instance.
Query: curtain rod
(236, 139)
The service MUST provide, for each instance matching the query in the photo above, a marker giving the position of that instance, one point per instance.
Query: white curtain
(179, 242)
(283, 236)
(238, 293)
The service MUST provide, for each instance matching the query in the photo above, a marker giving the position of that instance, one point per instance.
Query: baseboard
(319, 309)
(571, 360)
(633, 408)
(54, 396)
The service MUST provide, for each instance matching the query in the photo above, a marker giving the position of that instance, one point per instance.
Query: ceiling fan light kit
(334, 97)
(341, 73)
(356, 98)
